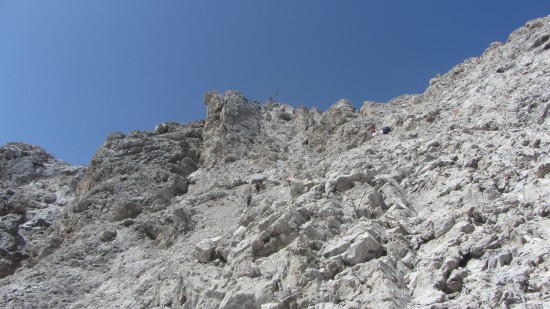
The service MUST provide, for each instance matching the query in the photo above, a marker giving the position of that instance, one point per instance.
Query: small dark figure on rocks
(258, 186)
(248, 200)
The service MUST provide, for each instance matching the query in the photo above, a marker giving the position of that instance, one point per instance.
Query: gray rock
(450, 210)
(502, 259)
(363, 249)
(239, 300)
(231, 129)
(38, 187)
(456, 281)
(206, 248)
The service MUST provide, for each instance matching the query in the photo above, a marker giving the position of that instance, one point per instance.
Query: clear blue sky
(72, 71)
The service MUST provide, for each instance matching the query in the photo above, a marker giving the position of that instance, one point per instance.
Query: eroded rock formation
(270, 206)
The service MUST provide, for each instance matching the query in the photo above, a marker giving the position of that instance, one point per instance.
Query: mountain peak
(263, 205)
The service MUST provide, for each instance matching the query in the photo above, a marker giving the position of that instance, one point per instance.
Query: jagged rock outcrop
(231, 128)
(270, 206)
(35, 188)
(120, 213)
(136, 174)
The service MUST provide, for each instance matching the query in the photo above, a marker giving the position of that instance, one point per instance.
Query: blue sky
(72, 71)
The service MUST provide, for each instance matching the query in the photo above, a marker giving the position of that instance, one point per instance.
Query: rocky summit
(270, 206)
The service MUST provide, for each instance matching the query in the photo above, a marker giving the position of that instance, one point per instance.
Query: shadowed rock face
(270, 206)
(143, 170)
(34, 189)
(132, 180)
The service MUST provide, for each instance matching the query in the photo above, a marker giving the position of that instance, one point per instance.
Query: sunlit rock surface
(263, 205)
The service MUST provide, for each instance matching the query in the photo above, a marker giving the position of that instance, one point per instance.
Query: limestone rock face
(138, 173)
(271, 206)
(231, 129)
(35, 188)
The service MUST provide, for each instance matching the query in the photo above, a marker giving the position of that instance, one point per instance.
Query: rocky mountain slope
(269, 206)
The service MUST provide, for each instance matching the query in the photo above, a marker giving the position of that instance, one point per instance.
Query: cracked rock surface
(270, 206)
